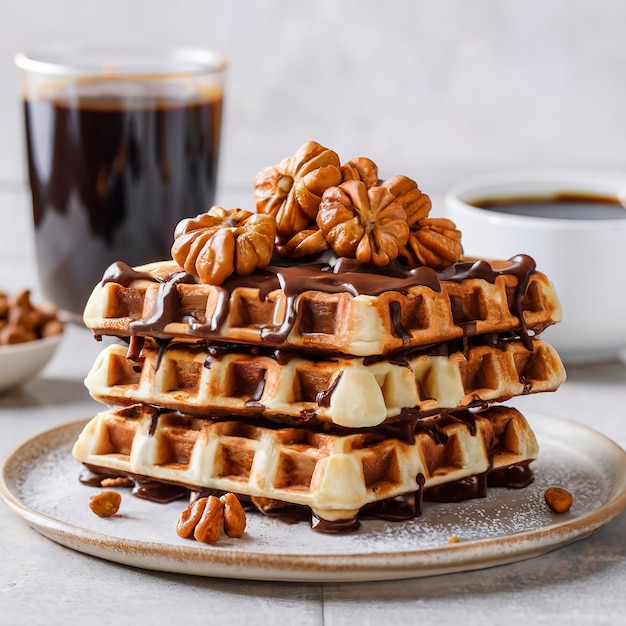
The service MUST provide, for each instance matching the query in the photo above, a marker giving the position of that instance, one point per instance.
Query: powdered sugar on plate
(40, 483)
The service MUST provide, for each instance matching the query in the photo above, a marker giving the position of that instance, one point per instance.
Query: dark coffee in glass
(114, 165)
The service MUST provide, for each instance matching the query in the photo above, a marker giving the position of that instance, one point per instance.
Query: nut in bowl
(29, 336)
(574, 225)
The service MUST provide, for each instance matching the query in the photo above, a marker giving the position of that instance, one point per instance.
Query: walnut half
(205, 517)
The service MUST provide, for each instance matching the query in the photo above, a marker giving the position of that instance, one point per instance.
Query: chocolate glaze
(396, 509)
(135, 346)
(346, 275)
(521, 266)
(396, 319)
(154, 422)
(122, 274)
(458, 491)
(335, 527)
(514, 477)
(356, 279)
(167, 306)
(91, 477)
(323, 397)
(158, 492)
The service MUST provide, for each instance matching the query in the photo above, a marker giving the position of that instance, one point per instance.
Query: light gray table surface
(42, 582)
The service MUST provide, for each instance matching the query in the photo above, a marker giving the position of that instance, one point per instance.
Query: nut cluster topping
(216, 244)
(21, 320)
(291, 191)
(362, 169)
(205, 517)
(368, 225)
(434, 242)
(310, 202)
(356, 216)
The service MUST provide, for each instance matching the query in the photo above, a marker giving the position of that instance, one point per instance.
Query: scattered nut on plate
(22, 321)
(105, 503)
(558, 499)
(205, 517)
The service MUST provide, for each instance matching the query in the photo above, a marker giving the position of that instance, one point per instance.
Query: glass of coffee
(122, 143)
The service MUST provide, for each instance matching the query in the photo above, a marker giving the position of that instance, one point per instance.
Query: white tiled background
(432, 89)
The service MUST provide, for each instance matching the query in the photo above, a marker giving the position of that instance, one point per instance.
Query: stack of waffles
(334, 387)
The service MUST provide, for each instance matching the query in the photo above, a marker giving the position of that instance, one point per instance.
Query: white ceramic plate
(40, 484)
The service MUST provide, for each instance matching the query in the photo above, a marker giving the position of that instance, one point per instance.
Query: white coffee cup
(582, 250)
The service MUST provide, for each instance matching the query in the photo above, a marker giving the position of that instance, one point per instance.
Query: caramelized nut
(366, 224)
(234, 515)
(434, 242)
(415, 203)
(118, 481)
(558, 499)
(209, 526)
(51, 327)
(12, 333)
(361, 168)
(189, 518)
(291, 190)
(306, 243)
(105, 503)
(221, 242)
(21, 321)
(203, 518)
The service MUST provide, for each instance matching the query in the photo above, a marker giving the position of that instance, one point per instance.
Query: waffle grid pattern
(183, 378)
(338, 322)
(335, 475)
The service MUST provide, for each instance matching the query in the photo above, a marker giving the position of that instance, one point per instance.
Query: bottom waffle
(335, 475)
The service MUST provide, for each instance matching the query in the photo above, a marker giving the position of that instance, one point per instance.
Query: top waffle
(332, 309)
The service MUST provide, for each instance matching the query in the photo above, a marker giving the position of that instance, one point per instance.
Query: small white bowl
(19, 362)
(584, 258)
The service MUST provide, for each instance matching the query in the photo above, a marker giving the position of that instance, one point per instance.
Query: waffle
(334, 475)
(346, 392)
(310, 307)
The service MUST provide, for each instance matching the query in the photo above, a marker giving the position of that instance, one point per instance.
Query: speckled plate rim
(196, 559)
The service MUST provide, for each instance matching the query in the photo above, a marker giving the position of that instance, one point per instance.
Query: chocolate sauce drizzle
(123, 274)
(395, 509)
(351, 277)
(345, 276)
(398, 508)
